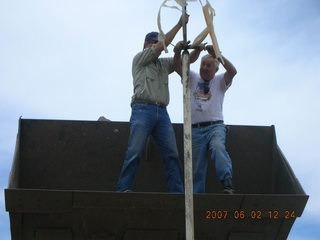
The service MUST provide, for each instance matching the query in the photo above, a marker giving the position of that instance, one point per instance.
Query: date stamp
(253, 214)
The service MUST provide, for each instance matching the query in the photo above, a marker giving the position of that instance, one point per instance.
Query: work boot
(227, 186)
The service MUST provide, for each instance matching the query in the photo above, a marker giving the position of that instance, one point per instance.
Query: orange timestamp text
(253, 214)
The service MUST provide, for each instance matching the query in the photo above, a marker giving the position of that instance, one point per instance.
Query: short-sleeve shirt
(150, 76)
(207, 98)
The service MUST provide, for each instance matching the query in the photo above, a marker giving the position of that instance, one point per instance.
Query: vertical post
(187, 138)
(184, 24)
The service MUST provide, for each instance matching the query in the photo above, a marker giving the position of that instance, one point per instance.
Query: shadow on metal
(64, 175)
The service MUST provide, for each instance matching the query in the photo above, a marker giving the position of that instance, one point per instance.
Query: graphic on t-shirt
(202, 92)
(201, 95)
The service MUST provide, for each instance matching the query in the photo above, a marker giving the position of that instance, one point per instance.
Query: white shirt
(207, 106)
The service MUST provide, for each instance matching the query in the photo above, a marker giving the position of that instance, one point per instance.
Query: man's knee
(218, 146)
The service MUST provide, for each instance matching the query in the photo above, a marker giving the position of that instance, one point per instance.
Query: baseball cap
(151, 36)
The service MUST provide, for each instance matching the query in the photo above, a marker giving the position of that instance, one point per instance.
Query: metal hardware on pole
(187, 138)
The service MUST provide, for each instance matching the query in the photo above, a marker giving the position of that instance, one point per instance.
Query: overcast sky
(71, 59)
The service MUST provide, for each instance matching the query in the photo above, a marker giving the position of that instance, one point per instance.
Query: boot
(227, 186)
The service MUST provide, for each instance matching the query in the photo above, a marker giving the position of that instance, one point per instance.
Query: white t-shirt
(207, 100)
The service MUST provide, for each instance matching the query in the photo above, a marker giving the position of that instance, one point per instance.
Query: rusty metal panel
(65, 175)
(246, 236)
(32, 200)
(85, 156)
(111, 214)
(280, 205)
(123, 212)
(250, 151)
(53, 234)
(89, 155)
(15, 168)
(92, 199)
(71, 155)
(218, 215)
(151, 234)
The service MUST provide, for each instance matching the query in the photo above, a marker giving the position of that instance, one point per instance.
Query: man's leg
(164, 136)
(220, 155)
(199, 160)
(141, 124)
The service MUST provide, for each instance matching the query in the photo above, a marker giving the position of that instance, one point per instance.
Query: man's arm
(170, 35)
(231, 71)
(177, 63)
(194, 55)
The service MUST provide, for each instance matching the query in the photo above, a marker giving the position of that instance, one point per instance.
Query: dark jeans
(147, 119)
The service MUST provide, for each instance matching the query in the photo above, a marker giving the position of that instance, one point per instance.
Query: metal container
(64, 175)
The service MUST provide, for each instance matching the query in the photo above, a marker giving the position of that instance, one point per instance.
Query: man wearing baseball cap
(149, 114)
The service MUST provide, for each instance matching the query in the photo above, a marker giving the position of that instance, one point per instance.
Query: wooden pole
(188, 182)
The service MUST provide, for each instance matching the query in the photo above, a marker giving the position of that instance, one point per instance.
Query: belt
(149, 102)
(204, 124)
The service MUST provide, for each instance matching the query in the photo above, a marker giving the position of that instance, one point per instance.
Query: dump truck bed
(64, 177)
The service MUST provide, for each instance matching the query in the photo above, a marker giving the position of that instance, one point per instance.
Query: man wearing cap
(149, 114)
(208, 129)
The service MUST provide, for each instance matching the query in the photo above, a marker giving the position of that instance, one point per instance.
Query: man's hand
(181, 19)
(200, 47)
(194, 55)
(210, 50)
(180, 46)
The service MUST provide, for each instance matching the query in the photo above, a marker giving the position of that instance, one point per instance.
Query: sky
(71, 59)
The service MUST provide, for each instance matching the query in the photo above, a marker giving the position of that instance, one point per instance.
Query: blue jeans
(210, 137)
(147, 119)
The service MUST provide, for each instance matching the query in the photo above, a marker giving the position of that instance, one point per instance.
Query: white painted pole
(187, 137)
(188, 182)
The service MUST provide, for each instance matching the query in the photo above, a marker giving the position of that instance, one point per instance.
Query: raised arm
(231, 71)
(177, 63)
(170, 35)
